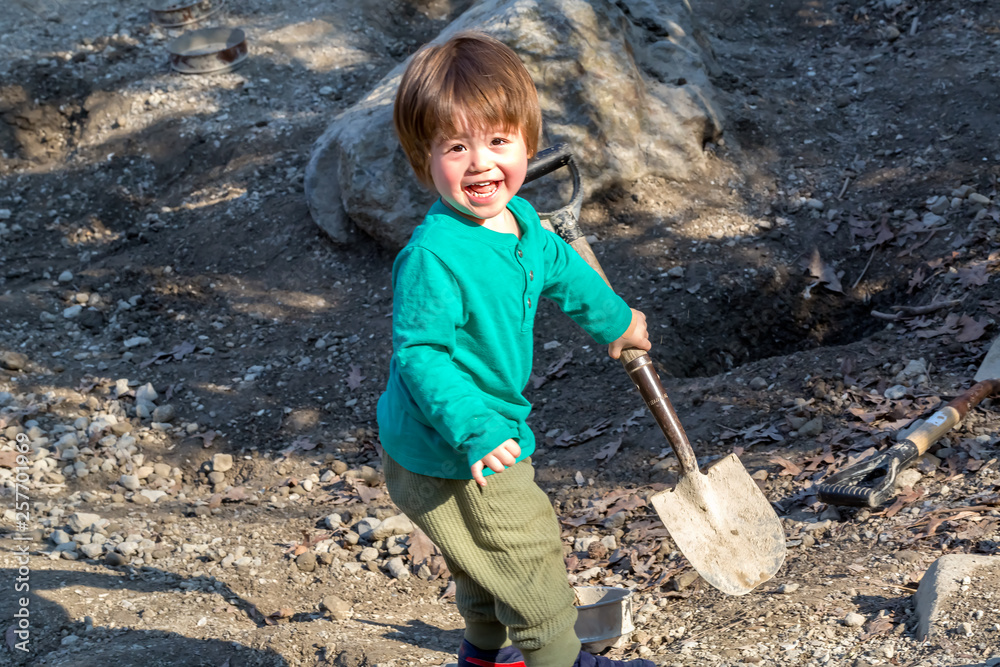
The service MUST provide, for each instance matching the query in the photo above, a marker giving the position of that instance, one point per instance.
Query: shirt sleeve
(581, 293)
(427, 311)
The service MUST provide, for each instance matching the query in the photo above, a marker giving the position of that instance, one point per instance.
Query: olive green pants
(502, 544)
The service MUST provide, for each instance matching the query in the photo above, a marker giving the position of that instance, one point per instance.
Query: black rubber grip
(547, 161)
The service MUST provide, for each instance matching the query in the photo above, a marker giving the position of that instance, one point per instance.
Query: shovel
(719, 519)
(871, 482)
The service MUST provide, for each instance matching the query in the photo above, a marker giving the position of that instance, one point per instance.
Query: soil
(828, 281)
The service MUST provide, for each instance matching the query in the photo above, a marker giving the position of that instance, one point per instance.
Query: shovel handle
(636, 362)
(951, 414)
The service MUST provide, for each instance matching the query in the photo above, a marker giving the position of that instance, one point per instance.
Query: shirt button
(529, 303)
(520, 253)
(531, 275)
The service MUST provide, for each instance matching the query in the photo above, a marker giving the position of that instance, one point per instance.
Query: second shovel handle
(640, 369)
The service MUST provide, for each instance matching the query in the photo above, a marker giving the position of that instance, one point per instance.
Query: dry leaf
(971, 329)
(608, 450)
(8, 459)
(420, 548)
(824, 273)
(555, 370)
(355, 378)
(788, 468)
(367, 493)
(568, 440)
(973, 276)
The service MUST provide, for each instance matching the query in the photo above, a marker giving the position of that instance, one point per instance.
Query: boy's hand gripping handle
(636, 362)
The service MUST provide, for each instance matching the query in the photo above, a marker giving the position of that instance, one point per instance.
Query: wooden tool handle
(640, 368)
(947, 417)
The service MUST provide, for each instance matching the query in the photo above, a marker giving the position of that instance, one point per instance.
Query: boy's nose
(481, 160)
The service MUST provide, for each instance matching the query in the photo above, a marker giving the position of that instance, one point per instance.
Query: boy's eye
(457, 148)
(499, 141)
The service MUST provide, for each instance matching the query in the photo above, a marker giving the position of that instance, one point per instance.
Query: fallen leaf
(824, 273)
(971, 329)
(8, 459)
(299, 444)
(569, 440)
(555, 370)
(950, 326)
(367, 493)
(788, 468)
(355, 378)
(973, 276)
(917, 279)
(885, 234)
(608, 450)
(420, 548)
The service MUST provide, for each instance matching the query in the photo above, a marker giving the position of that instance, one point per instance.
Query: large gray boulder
(625, 84)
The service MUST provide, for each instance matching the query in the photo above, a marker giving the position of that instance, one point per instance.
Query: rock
(13, 361)
(60, 537)
(907, 556)
(161, 470)
(854, 620)
(72, 311)
(152, 494)
(977, 198)
(332, 521)
(908, 478)
(216, 477)
(393, 525)
(915, 372)
(758, 384)
(938, 205)
(164, 413)
(684, 579)
(939, 597)
(91, 318)
(222, 462)
(336, 608)
(306, 562)
(92, 551)
(130, 482)
(787, 589)
(146, 394)
(589, 61)
(77, 522)
(366, 527)
(397, 569)
(368, 554)
(811, 428)
(127, 548)
(895, 392)
(114, 559)
(136, 341)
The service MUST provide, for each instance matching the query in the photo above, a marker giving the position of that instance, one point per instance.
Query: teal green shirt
(464, 303)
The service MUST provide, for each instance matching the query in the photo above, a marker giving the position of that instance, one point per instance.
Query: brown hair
(472, 77)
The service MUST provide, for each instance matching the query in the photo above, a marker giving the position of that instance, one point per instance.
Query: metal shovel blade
(990, 368)
(724, 526)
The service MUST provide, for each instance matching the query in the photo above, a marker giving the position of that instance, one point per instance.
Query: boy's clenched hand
(634, 336)
(498, 460)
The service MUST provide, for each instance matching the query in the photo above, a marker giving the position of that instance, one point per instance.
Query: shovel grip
(947, 417)
(647, 381)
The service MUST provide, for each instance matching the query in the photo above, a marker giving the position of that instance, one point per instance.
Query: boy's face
(477, 172)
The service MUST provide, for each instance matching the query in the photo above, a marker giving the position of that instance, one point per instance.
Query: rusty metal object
(184, 12)
(208, 50)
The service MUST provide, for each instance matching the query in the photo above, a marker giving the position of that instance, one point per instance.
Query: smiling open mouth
(482, 190)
